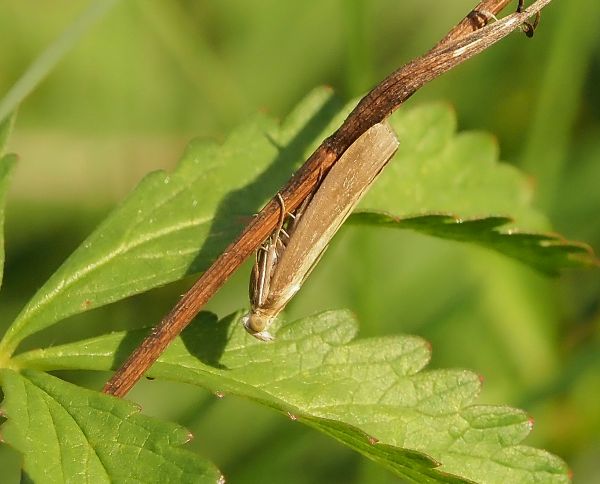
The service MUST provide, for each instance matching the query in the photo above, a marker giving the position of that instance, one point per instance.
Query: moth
(291, 252)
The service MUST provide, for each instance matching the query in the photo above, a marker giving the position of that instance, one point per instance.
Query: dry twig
(470, 37)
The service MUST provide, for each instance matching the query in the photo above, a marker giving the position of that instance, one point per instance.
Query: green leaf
(5, 130)
(7, 164)
(372, 394)
(437, 171)
(452, 186)
(545, 252)
(174, 225)
(70, 434)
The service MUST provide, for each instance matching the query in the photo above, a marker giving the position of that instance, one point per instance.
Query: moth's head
(256, 323)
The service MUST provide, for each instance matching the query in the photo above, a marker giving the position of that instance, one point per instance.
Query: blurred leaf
(566, 60)
(69, 434)
(545, 252)
(48, 59)
(173, 225)
(174, 27)
(5, 130)
(370, 394)
(7, 163)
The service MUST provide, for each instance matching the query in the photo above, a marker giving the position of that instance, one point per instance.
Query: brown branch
(475, 20)
(467, 39)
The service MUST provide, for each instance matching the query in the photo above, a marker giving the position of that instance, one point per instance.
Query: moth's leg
(283, 239)
(266, 258)
(528, 27)
(259, 283)
(280, 235)
(282, 212)
(487, 16)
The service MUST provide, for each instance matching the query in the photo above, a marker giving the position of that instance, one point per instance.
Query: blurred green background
(155, 73)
